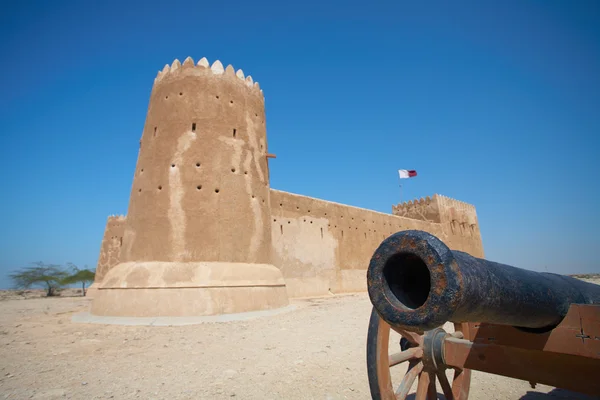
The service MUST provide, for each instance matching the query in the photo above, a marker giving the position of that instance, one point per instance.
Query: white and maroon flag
(407, 173)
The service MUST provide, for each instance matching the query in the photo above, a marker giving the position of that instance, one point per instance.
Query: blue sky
(493, 103)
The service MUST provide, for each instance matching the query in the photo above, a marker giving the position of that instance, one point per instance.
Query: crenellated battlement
(438, 208)
(456, 211)
(450, 202)
(412, 203)
(423, 209)
(178, 70)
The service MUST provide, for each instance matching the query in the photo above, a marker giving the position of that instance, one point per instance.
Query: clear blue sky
(493, 103)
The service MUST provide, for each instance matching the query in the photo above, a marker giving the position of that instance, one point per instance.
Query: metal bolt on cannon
(501, 314)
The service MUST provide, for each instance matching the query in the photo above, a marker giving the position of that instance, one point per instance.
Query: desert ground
(314, 350)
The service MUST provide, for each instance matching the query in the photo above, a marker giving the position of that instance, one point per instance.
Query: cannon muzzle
(417, 283)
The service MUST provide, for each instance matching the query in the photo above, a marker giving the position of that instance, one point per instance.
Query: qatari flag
(407, 173)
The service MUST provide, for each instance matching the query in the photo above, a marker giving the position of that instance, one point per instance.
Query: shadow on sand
(554, 394)
(557, 394)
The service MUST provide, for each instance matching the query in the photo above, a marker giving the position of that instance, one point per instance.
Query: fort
(205, 234)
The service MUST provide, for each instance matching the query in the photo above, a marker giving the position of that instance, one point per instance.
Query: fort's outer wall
(323, 247)
(459, 220)
(110, 249)
(111, 246)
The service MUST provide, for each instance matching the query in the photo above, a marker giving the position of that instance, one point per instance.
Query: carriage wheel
(380, 363)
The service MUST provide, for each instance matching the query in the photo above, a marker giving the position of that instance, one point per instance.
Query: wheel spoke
(423, 386)
(414, 369)
(461, 384)
(413, 352)
(432, 390)
(445, 385)
(413, 337)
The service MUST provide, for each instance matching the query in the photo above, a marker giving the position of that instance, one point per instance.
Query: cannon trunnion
(539, 327)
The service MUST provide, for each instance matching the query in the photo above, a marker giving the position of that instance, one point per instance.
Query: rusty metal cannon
(539, 327)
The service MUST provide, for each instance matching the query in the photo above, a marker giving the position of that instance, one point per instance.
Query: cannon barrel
(417, 283)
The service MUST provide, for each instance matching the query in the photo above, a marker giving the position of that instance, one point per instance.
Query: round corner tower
(197, 239)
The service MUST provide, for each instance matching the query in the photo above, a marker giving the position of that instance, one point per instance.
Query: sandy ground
(315, 351)
(35, 294)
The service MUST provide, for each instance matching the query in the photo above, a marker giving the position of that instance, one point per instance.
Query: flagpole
(400, 185)
(401, 193)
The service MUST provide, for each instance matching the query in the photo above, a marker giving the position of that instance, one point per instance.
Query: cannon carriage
(456, 313)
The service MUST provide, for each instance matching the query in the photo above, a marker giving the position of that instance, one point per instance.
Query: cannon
(456, 313)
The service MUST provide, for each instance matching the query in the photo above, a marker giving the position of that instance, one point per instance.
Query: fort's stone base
(177, 289)
(91, 291)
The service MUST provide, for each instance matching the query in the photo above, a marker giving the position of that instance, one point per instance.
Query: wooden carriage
(411, 341)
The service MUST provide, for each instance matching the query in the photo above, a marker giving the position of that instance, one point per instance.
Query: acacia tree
(82, 276)
(48, 275)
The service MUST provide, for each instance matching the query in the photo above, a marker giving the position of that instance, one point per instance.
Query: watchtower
(197, 237)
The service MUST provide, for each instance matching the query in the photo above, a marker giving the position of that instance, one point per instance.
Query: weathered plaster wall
(201, 175)
(459, 220)
(461, 223)
(199, 212)
(111, 246)
(321, 246)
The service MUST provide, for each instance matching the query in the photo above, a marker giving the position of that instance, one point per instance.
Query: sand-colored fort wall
(201, 174)
(322, 246)
(110, 250)
(458, 219)
(111, 245)
(197, 234)
(461, 224)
